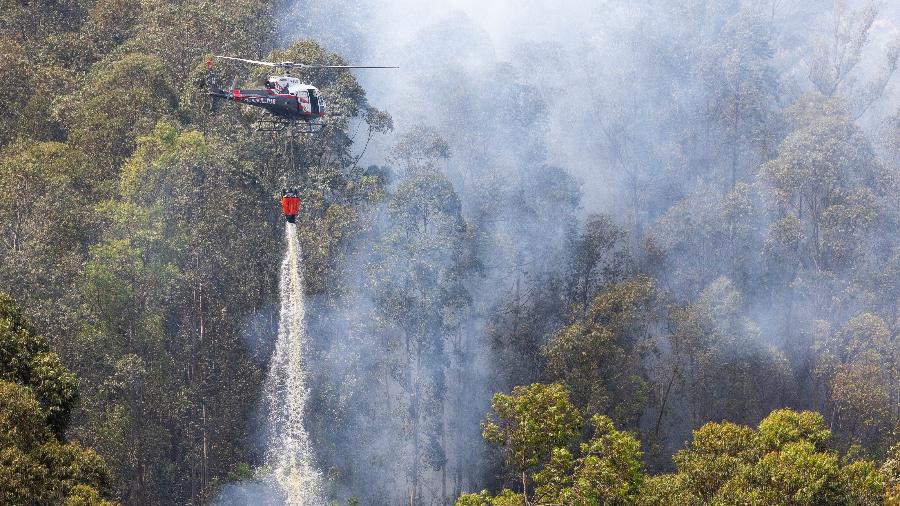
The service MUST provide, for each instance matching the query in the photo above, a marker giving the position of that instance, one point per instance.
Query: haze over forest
(574, 253)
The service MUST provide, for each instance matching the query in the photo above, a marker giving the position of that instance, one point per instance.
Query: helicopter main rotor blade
(347, 67)
(257, 62)
(291, 64)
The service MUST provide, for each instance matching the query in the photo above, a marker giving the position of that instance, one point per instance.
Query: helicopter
(289, 102)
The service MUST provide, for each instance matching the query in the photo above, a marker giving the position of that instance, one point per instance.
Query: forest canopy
(653, 263)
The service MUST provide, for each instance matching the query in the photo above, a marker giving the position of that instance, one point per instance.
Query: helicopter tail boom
(215, 96)
(215, 93)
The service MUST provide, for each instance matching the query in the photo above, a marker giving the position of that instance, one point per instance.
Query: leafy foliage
(536, 428)
(37, 394)
(747, 258)
(26, 359)
(600, 357)
(785, 461)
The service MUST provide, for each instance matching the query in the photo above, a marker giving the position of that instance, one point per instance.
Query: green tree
(529, 425)
(786, 461)
(858, 365)
(120, 102)
(178, 34)
(599, 258)
(723, 367)
(26, 359)
(32, 23)
(109, 24)
(47, 193)
(31, 93)
(890, 469)
(835, 57)
(37, 465)
(537, 428)
(708, 234)
(821, 178)
(608, 471)
(185, 247)
(600, 357)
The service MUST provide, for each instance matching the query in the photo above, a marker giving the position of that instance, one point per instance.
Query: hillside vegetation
(728, 333)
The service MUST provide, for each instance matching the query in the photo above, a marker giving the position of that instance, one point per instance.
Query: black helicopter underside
(281, 105)
(285, 110)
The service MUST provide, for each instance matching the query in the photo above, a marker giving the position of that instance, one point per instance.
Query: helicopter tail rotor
(215, 93)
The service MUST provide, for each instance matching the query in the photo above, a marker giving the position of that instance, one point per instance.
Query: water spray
(289, 465)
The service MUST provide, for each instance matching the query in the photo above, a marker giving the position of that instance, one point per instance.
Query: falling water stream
(288, 460)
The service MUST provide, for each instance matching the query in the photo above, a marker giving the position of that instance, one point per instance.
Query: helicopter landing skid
(293, 127)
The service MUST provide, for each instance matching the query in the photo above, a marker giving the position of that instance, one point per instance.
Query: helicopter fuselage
(285, 97)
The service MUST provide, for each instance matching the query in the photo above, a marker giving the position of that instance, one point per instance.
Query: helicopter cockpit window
(314, 101)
